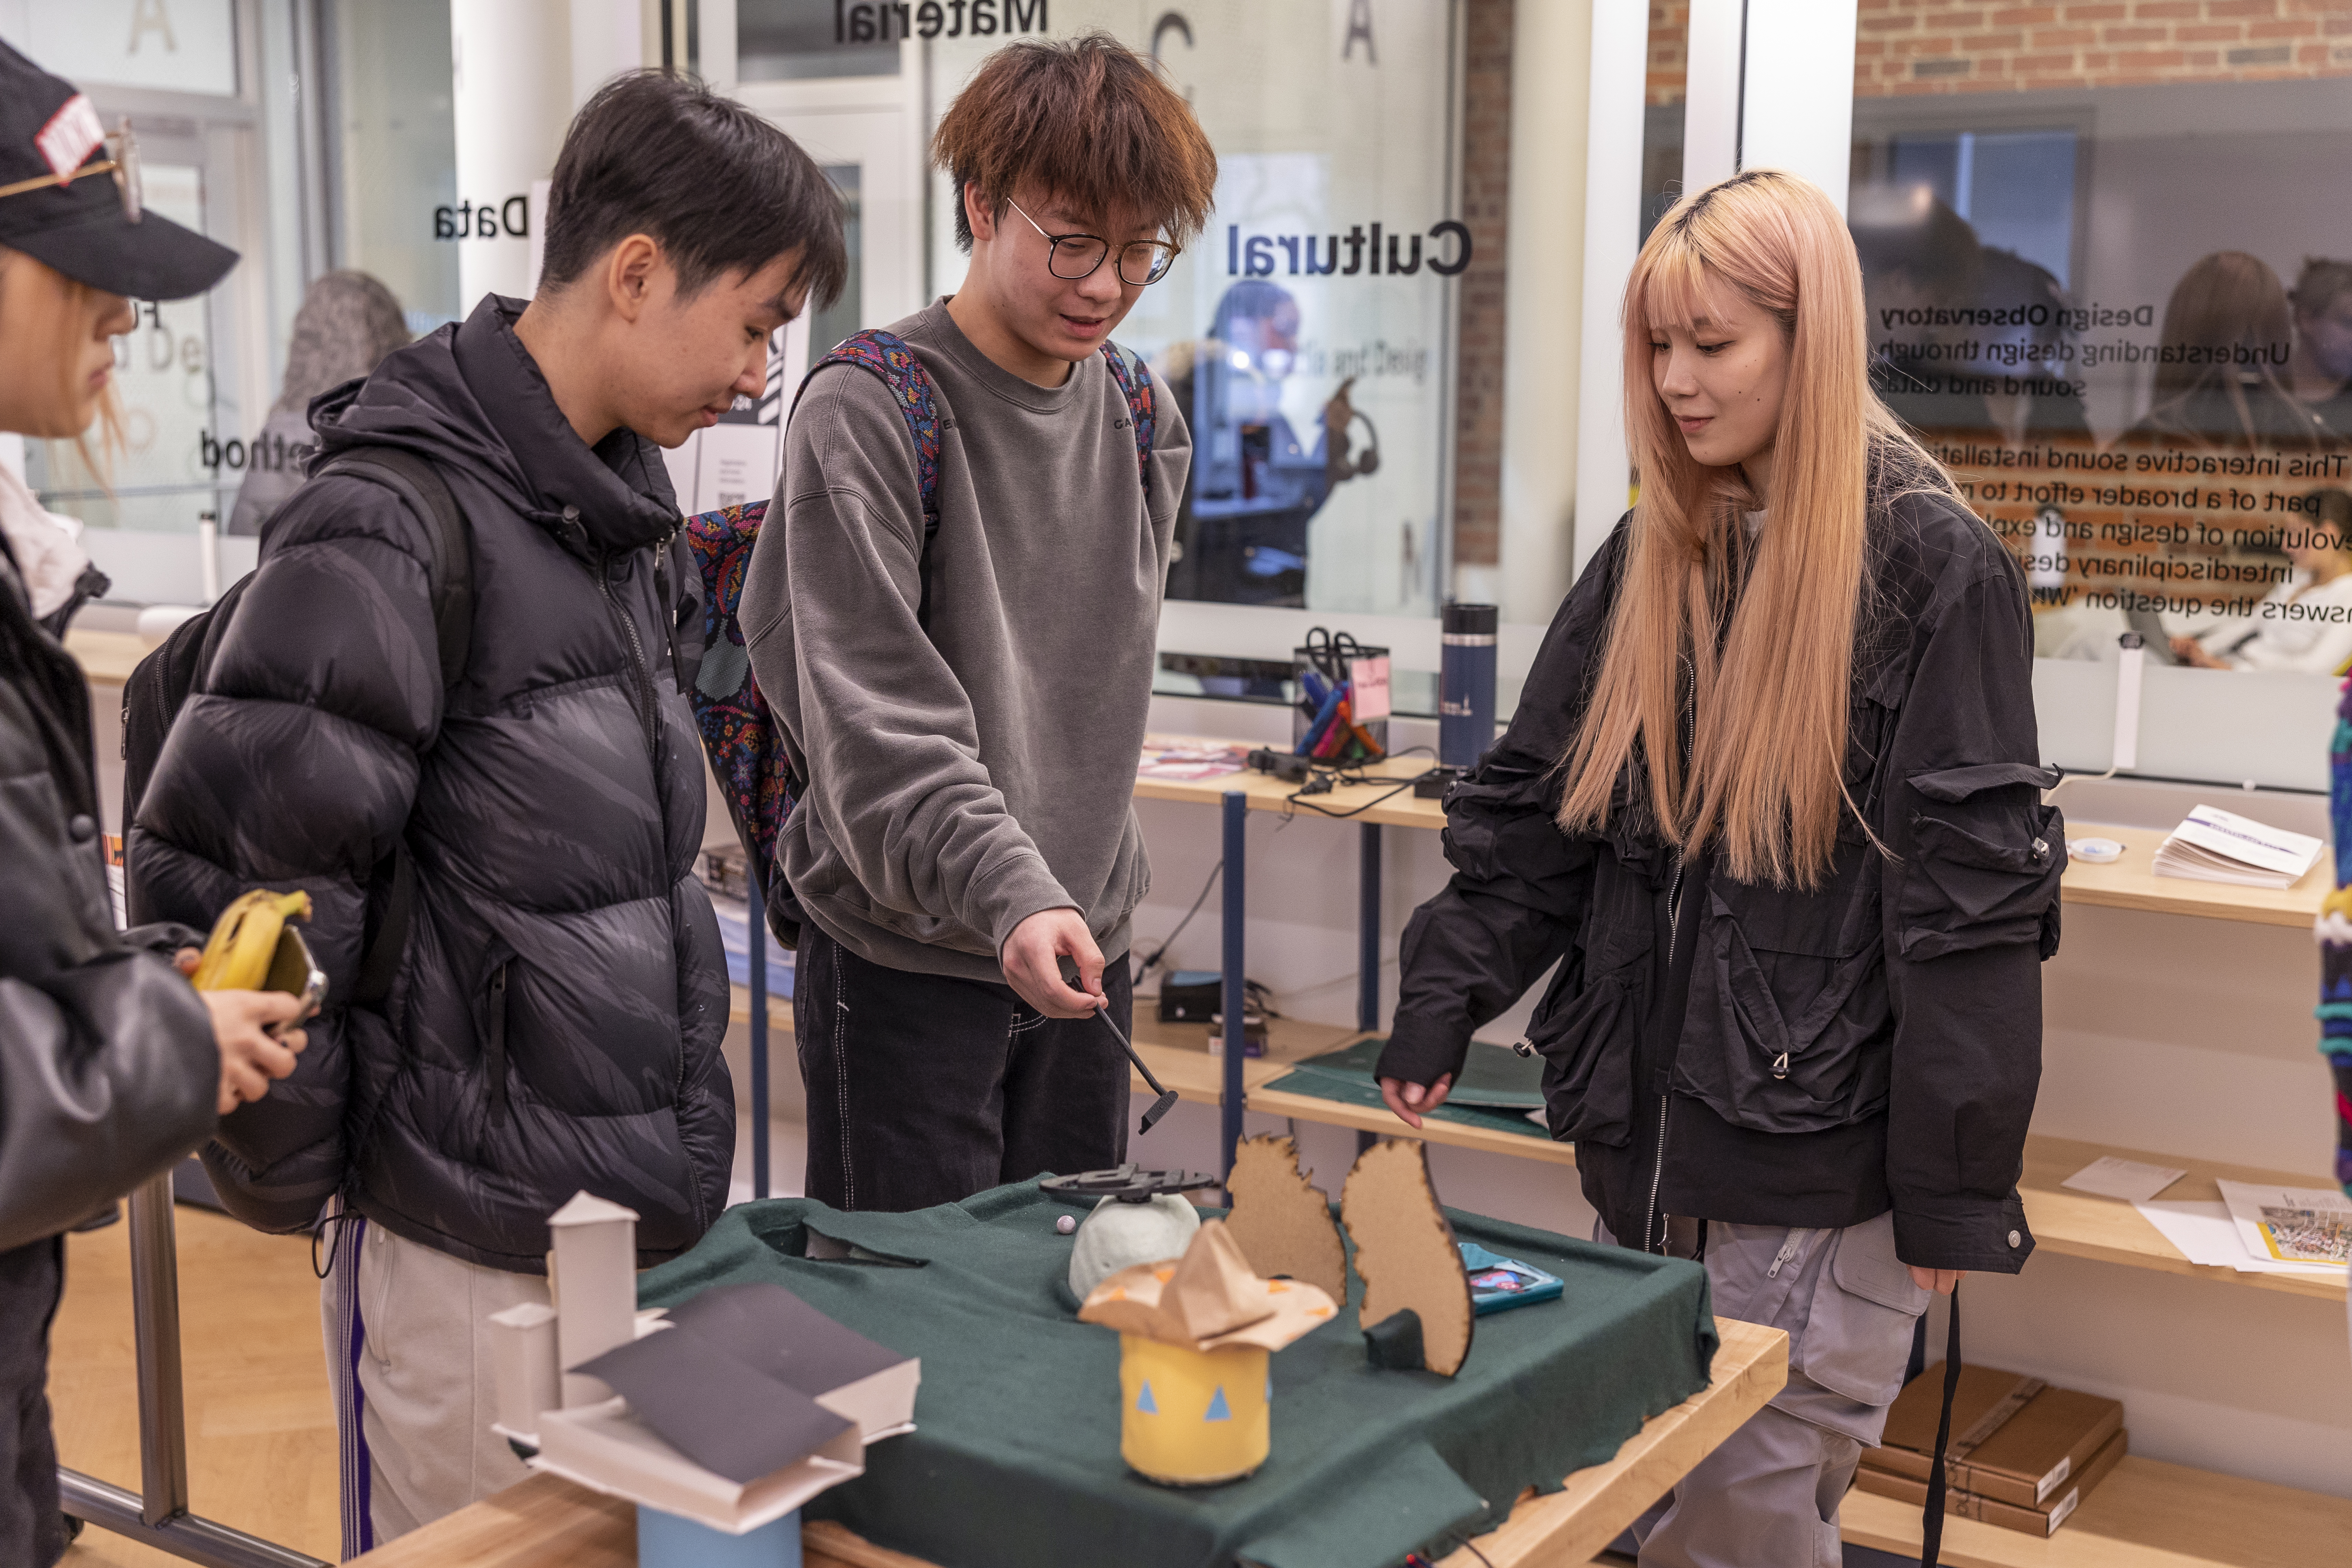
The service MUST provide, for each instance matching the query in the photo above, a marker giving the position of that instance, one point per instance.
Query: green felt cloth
(1014, 1459)
(1497, 1089)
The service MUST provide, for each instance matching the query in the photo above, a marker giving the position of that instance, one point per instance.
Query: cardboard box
(2015, 1439)
(2043, 1520)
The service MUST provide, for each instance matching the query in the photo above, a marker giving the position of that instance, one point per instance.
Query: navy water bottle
(1466, 685)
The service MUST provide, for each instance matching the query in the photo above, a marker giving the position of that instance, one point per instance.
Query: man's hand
(1033, 963)
(1407, 1099)
(1940, 1280)
(250, 1056)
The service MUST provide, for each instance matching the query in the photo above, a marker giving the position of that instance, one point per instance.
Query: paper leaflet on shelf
(2309, 1225)
(2130, 1179)
(2215, 846)
(2204, 1232)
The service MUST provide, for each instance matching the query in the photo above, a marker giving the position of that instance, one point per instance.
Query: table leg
(1237, 996)
(759, 924)
(1368, 929)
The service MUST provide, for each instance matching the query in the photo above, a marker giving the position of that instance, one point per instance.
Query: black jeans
(924, 1090)
(32, 1530)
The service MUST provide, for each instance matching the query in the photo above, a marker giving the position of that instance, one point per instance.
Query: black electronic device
(1190, 996)
(1288, 766)
(1433, 784)
(1126, 1183)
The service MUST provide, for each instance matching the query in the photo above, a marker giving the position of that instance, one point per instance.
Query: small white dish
(2094, 851)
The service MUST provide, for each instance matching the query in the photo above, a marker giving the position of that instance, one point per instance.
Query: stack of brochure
(2217, 845)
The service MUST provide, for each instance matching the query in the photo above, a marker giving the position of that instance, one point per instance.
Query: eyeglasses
(1085, 252)
(123, 166)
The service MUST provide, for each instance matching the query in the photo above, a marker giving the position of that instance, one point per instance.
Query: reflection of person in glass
(2227, 335)
(1959, 377)
(1241, 534)
(2304, 623)
(2322, 366)
(348, 321)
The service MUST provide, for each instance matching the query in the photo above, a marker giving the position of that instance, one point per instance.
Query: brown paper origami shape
(1207, 1300)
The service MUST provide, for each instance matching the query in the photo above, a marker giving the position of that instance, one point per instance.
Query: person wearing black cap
(111, 1067)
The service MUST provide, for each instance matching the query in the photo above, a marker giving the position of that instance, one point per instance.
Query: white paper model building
(731, 1411)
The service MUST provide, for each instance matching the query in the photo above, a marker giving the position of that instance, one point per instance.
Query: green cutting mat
(1498, 1085)
(1013, 1462)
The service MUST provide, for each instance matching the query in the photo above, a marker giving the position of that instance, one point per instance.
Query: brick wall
(1939, 46)
(1486, 196)
(1669, 52)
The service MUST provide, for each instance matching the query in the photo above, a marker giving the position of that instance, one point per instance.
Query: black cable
(1136, 978)
(1298, 797)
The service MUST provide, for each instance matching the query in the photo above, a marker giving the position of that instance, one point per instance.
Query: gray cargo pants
(1770, 1493)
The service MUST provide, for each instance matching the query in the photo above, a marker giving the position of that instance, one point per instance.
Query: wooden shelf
(1380, 1120)
(780, 1009)
(2131, 883)
(108, 658)
(2147, 1514)
(2080, 1224)
(1269, 793)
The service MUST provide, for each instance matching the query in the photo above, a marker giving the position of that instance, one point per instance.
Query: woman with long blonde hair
(1772, 803)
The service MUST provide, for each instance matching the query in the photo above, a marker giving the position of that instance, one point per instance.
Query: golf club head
(1160, 1108)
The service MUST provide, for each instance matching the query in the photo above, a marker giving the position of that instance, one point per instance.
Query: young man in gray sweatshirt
(967, 711)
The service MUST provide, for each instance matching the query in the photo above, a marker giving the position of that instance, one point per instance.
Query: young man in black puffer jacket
(556, 1021)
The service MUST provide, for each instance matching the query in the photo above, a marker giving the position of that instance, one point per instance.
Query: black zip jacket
(1724, 1050)
(107, 1070)
(556, 1020)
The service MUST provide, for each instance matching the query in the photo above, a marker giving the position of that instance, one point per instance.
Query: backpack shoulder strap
(888, 355)
(450, 575)
(418, 482)
(1135, 385)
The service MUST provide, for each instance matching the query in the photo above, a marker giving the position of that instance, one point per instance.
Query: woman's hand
(250, 1056)
(1409, 1100)
(1942, 1281)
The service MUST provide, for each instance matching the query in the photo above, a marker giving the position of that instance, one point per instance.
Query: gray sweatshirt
(961, 781)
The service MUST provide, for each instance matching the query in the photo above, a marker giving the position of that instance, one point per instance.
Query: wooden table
(547, 1522)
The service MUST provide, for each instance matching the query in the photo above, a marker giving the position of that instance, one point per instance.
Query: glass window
(2105, 283)
(1308, 334)
(793, 40)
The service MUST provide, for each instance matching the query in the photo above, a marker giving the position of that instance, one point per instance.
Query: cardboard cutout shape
(1281, 1220)
(1406, 1252)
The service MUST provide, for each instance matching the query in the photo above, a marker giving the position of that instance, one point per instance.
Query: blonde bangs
(1760, 636)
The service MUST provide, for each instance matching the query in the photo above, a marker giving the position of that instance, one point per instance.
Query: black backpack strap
(450, 572)
(450, 579)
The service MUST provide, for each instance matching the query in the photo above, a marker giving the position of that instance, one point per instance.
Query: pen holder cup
(1317, 728)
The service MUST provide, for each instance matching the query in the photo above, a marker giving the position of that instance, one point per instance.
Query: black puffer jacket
(556, 1022)
(1774, 1056)
(108, 1067)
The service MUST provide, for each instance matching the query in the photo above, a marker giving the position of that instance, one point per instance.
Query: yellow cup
(1192, 1418)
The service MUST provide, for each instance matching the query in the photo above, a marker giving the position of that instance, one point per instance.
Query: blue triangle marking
(1145, 1403)
(1218, 1409)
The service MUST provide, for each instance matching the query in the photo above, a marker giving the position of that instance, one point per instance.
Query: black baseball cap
(74, 202)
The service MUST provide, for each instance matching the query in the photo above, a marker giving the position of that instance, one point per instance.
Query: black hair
(719, 188)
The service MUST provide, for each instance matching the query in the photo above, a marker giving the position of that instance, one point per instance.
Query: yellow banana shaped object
(245, 939)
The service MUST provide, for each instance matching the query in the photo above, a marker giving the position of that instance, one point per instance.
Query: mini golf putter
(1415, 1288)
(1282, 1221)
(1167, 1100)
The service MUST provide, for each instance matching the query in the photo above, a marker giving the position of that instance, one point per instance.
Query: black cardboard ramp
(727, 1416)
